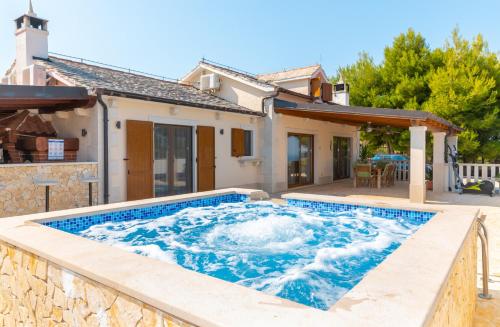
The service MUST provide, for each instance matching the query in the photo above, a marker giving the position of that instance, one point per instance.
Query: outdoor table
(90, 180)
(379, 177)
(47, 183)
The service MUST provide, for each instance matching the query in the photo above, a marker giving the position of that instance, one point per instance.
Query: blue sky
(169, 37)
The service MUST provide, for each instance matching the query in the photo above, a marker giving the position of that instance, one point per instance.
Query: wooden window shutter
(316, 87)
(237, 142)
(326, 92)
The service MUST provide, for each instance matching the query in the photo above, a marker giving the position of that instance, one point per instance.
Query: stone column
(439, 168)
(417, 164)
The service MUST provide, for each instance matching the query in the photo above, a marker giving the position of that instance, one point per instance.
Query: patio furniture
(90, 180)
(387, 177)
(39, 181)
(363, 175)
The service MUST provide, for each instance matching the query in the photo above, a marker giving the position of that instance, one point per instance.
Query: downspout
(276, 93)
(105, 120)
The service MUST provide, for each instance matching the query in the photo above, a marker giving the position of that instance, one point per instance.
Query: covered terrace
(42, 165)
(418, 123)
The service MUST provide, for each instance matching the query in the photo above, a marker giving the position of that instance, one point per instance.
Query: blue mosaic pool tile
(74, 225)
(418, 217)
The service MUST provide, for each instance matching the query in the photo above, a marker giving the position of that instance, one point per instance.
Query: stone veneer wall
(37, 292)
(457, 302)
(20, 196)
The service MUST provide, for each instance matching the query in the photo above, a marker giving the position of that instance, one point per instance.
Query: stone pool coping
(405, 287)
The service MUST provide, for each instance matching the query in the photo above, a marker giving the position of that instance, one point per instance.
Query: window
(241, 142)
(248, 142)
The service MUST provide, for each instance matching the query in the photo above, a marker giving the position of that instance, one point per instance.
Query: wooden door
(139, 160)
(205, 145)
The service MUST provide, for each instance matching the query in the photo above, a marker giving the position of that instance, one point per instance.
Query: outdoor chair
(388, 175)
(364, 175)
(392, 175)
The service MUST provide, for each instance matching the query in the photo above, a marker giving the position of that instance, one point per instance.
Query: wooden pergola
(357, 116)
(22, 132)
(47, 99)
(418, 122)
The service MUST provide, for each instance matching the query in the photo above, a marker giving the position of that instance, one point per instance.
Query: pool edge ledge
(205, 301)
(177, 294)
(419, 282)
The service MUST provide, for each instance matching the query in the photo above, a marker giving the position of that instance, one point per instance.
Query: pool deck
(487, 311)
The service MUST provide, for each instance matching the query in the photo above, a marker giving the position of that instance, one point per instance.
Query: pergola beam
(46, 98)
(354, 115)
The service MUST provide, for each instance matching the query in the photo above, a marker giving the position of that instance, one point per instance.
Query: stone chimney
(341, 93)
(31, 41)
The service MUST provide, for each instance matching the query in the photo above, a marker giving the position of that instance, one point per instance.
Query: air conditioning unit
(209, 82)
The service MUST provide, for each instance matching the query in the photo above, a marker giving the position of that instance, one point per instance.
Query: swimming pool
(307, 252)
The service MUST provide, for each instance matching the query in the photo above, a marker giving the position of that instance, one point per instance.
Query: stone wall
(20, 196)
(457, 301)
(36, 292)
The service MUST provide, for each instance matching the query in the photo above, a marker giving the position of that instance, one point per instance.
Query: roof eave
(190, 74)
(297, 94)
(269, 88)
(138, 96)
(426, 118)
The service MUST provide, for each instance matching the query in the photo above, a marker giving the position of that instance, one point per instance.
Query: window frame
(252, 141)
(252, 150)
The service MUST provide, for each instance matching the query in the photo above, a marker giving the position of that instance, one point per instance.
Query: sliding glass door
(300, 159)
(173, 173)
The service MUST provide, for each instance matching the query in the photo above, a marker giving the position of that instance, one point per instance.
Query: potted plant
(428, 179)
(364, 154)
(380, 164)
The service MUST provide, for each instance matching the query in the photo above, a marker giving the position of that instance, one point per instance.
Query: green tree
(465, 90)
(459, 82)
(398, 82)
(404, 70)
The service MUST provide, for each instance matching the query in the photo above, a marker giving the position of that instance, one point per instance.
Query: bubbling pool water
(308, 256)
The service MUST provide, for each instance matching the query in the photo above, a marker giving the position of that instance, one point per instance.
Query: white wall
(300, 86)
(230, 172)
(70, 124)
(236, 92)
(323, 133)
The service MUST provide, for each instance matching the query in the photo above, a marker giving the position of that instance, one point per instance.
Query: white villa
(217, 127)
(75, 133)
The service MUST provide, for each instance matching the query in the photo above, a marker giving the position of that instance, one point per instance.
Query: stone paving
(487, 311)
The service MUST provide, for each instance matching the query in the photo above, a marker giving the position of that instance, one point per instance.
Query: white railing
(472, 172)
(402, 172)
